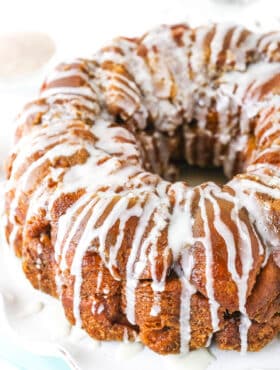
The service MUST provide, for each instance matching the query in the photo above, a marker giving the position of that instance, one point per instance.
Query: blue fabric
(24, 360)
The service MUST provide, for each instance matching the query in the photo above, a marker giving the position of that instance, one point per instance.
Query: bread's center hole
(195, 175)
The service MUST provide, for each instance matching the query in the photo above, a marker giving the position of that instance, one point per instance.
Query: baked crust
(129, 254)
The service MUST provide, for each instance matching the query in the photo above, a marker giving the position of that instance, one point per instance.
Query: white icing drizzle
(134, 272)
(207, 243)
(246, 258)
(247, 190)
(217, 43)
(169, 81)
(76, 268)
(155, 310)
(185, 307)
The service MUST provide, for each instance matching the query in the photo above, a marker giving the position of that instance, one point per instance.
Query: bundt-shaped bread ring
(131, 254)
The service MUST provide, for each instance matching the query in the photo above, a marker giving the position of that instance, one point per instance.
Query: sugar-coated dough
(92, 210)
